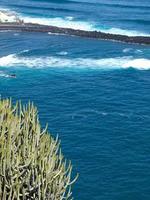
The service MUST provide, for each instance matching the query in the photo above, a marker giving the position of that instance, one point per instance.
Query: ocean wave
(71, 22)
(124, 32)
(47, 8)
(14, 60)
(126, 50)
(70, 18)
(62, 53)
(67, 22)
(4, 75)
(137, 21)
(112, 4)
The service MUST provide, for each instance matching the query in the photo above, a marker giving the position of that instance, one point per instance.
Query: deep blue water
(95, 94)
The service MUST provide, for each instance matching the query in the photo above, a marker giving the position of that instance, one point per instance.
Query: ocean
(94, 94)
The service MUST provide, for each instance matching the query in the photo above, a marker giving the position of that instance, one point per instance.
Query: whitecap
(70, 22)
(126, 50)
(81, 25)
(25, 51)
(16, 34)
(49, 33)
(14, 60)
(60, 22)
(124, 32)
(70, 18)
(138, 51)
(62, 53)
(141, 63)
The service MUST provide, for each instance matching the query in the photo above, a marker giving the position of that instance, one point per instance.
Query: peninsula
(16, 24)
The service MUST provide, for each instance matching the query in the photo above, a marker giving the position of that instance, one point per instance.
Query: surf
(70, 22)
(14, 60)
(73, 23)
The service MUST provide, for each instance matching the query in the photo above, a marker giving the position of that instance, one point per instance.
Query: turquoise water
(95, 94)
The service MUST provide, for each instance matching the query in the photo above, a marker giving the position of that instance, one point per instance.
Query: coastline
(30, 27)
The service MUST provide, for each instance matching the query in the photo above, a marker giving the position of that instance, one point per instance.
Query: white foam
(138, 51)
(49, 33)
(70, 18)
(16, 34)
(124, 32)
(60, 22)
(45, 62)
(70, 22)
(62, 53)
(142, 64)
(126, 50)
(25, 51)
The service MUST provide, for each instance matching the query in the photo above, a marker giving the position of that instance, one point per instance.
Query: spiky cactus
(31, 163)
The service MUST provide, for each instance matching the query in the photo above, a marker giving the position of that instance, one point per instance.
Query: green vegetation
(31, 163)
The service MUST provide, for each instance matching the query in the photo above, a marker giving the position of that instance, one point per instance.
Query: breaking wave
(67, 22)
(71, 22)
(124, 32)
(14, 60)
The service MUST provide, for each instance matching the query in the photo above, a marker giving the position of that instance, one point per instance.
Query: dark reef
(29, 27)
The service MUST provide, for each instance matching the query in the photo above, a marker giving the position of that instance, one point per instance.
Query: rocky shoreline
(29, 27)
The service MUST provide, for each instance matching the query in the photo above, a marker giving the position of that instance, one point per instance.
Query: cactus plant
(31, 163)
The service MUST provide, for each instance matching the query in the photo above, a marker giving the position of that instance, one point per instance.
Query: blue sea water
(94, 94)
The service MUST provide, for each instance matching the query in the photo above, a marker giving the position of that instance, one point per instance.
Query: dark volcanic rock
(28, 27)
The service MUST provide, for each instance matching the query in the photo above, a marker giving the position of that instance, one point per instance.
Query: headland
(13, 23)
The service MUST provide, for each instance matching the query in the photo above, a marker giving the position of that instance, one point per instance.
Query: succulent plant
(31, 163)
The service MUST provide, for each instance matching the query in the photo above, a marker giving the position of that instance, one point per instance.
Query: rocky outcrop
(28, 27)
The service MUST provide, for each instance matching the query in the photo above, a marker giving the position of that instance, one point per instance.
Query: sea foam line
(14, 60)
(81, 25)
(71, 22)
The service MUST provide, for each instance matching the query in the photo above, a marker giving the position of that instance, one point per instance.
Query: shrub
(31, 163)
